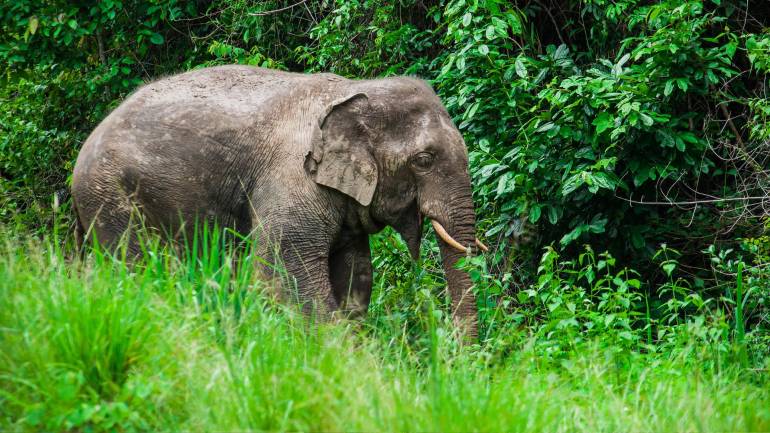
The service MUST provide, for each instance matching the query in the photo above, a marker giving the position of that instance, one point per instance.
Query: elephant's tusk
(481, 245)
(441, 232)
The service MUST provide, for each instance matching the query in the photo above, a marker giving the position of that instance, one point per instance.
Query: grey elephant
(314, 162)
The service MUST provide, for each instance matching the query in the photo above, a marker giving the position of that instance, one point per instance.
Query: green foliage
(38, 145)
(584, 299)
(574, 133)
(368, 38)
(194, 341)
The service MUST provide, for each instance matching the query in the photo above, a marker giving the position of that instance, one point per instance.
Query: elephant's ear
(340, 158)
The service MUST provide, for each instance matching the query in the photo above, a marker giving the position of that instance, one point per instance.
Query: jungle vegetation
(620, 157)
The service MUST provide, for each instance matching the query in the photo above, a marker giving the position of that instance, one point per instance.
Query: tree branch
(100, 44)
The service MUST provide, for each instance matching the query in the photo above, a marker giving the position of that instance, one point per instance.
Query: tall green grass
(195, 341)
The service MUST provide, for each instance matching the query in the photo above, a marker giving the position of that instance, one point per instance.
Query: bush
(189, 341)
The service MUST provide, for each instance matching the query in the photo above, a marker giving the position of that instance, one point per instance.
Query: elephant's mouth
(369, 222)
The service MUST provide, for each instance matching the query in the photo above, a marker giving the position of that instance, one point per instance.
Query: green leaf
(561, 52)
(597, 224)
(730, 48)
(490, 33)
(505, 184)
(484, 144)
(689, 137)
(156, 38)
(33, 23)
(460, 63)
(515, 23)
(623, 60)
(484, 50)
(472, 110)
(73, 24)
(668, 88)
(545, 127)
(603, 122)
(467, 19)
(553, 215)
(669, 268)
(507, 76)
(521, 69)
(534, 214)
(603, 180)
(573, 235)
(679, 144)
(641, 176)
(448, 65)
(572, 183)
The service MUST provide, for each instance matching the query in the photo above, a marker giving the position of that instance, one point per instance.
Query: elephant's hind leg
(115, 224)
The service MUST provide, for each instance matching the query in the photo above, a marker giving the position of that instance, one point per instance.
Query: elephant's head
(391, 145)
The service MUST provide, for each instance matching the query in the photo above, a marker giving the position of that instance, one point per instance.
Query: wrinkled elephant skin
(312, 163)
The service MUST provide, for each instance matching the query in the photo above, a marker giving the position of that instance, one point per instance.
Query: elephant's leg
(309, 284)
(114, 224)
(302, 265)
(351, 275)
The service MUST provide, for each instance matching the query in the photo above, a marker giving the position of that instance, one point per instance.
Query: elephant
(314, 162)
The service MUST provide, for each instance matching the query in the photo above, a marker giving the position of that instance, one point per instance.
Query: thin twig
(275, 11)
(692, 202)
(730, 123)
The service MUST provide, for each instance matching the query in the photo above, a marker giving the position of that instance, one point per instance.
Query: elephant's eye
(423, 160)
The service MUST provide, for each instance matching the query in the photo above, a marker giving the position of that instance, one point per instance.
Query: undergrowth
(198, 342)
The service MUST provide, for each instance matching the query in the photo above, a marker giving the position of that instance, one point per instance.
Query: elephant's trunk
(460, 236)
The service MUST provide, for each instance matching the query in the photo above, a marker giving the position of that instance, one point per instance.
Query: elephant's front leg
(303, 265)
(350, 266)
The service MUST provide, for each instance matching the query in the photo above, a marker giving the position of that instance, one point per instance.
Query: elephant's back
(213, 106)
(190, 143)
(193, 117)
(235, 90)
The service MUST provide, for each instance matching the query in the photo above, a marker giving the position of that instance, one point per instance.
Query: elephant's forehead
(437, 129)
(420, 130)
(429, 129)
